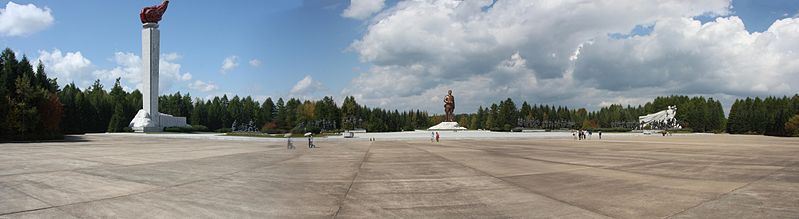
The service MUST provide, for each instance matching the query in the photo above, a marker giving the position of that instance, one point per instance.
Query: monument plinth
(148, 119)
(447, 126)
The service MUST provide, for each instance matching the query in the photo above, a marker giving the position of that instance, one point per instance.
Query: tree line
(97, 110)
(776, 116)
(35, 107)
(694, 113)
(294, 115)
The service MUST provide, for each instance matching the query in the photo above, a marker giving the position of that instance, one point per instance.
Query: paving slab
(555, 176)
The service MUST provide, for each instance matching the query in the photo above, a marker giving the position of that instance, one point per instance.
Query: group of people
(434, 137)
(290, 143)
(584, 134)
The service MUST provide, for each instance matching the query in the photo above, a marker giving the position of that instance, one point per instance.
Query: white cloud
(74, 67)
(186, 77)
(361, 9)
(255, 63)
(203, 86)
(560, 52)
(129, 69)
(230, 63)
(687, 56)
(20, 20)
(306, 86)
(67, 67)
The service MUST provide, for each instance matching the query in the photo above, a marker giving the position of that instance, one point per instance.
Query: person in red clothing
(437, 136)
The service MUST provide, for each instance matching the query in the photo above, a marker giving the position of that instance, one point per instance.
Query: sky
(406, 54)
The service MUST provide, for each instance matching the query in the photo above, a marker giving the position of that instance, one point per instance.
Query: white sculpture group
(660, 120)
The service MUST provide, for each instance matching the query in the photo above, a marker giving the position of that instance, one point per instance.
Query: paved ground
(117, 176)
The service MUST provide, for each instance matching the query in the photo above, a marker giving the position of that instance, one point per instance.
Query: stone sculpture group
(660, 120)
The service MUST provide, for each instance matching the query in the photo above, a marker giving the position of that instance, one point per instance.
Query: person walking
(290, 145)
(310, 142)
(432, 136)
(437, 137)
(600, 135)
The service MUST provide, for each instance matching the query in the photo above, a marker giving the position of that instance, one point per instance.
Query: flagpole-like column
(148, 119)
(151, 43)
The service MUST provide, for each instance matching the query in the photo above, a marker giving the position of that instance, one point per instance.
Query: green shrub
(274, 131)
(199, 128)
(223, 130)
(180, 129)
(314, 130)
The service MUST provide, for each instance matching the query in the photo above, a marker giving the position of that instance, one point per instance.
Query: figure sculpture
(153, 14)
(660, 120)
(449, 107)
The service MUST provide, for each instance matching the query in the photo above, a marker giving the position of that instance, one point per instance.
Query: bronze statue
(449, 107)
(153, 14)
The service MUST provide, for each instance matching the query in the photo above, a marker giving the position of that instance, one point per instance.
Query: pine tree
(792, 126)
(117, 122)
(23, 114)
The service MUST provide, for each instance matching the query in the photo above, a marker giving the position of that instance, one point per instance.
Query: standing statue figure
(449, 107)
(153, 14)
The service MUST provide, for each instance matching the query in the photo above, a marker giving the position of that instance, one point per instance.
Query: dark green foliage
(186, 129)
(117, 123)
(697, 113)
(199, 128)
(792, 126)
(768, 116)
(29, 106)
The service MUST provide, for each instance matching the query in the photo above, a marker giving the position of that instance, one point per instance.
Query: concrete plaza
(621, 176)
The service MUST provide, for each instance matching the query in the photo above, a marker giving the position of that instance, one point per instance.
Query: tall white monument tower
(148, 119)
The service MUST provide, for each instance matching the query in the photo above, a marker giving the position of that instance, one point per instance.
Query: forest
(35, 107)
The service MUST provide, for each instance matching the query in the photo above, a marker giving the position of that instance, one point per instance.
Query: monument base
(148, 129)
(447, 126)
(143, 122)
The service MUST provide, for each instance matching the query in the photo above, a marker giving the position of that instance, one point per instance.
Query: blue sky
(292, 39)
(310, 49)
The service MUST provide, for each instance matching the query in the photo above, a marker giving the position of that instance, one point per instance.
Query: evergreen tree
(199, 113)
(281, 114)
(117, 122)
(792, 126)
(267, 114)
(23, 114)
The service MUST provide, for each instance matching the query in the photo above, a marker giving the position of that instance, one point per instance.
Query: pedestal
(447, 126)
